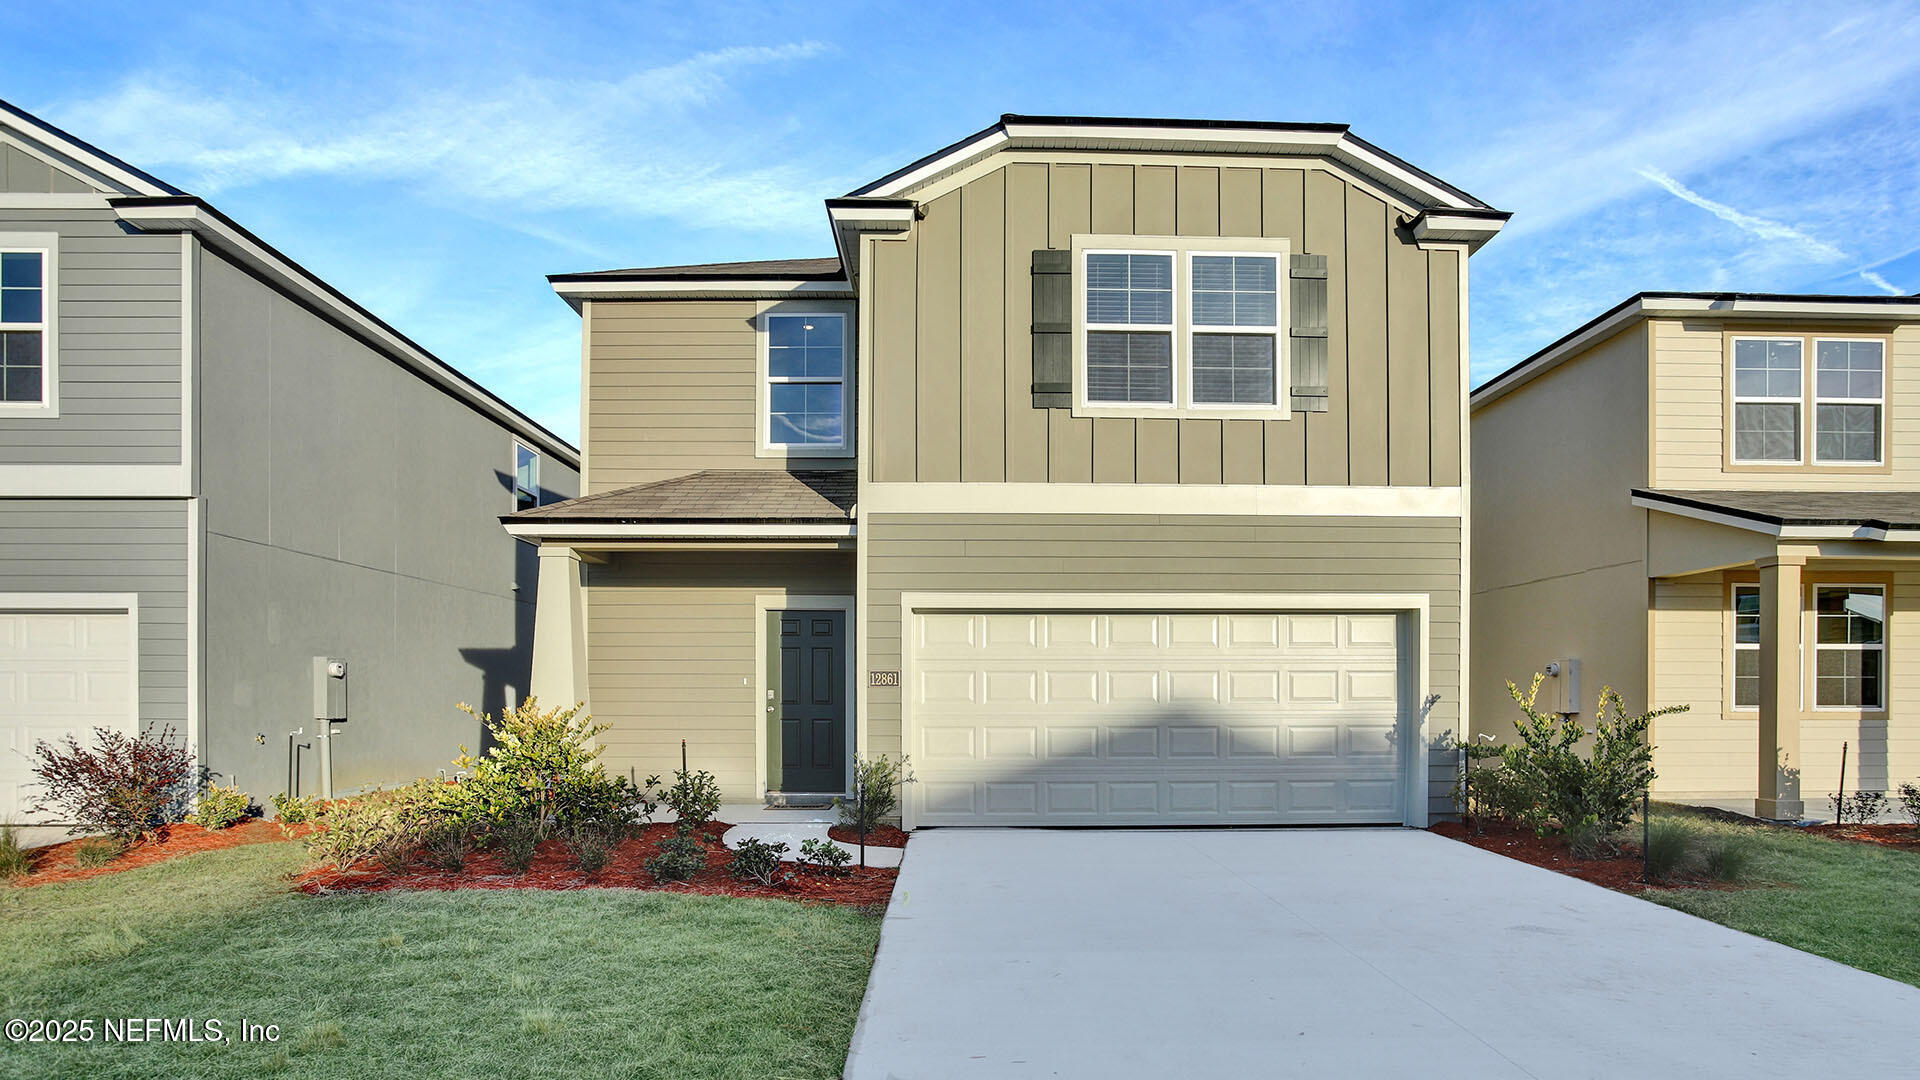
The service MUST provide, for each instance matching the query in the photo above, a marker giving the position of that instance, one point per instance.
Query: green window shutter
(1307, 333)
(1052, 329)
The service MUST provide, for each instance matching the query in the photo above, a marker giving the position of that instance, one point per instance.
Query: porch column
(559, 631)
(1778, 795)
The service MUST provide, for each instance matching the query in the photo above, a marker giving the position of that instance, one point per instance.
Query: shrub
(294, 809)
(446, 845)
(15, 861)
(1669, 848)
(876, 785)
(825, 856)
(694, 797)
(1910, 802)
(1864, 807)
(519, 842)
(680, 857)
(220, 807)
(591, 846)
(97, 852)
(387, 826)
(1726, 858)
(125, 787)
(1591, 840)
(540, 764)
(757, 861)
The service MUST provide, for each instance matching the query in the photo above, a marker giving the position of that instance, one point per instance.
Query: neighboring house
(214, 467)
(1713, 500)
(1112, 471)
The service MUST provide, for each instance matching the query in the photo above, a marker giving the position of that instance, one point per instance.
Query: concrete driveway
(1323, 953)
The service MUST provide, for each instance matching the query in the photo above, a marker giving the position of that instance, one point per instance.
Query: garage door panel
(61, 673)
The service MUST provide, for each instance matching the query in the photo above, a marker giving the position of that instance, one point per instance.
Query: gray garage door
(1155, 718)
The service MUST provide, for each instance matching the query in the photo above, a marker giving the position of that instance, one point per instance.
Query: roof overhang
(109, 171)
(186, 213)
(1458, 226)
(1744, 307)
(576, 290)
(1770, 525)
(678, 530)
(852, 216)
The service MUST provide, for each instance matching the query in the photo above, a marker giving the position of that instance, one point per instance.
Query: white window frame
(45, 245)
(515, 473)
(1799, 402)
(764, 381)
(1281, 284)
(1811, 424)
(1733, 669)
(1183, 248)
(1811, 633)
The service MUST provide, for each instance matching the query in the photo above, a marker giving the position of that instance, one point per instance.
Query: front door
(813, 701)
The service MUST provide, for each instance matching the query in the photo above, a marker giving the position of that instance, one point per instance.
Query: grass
(586, 983)
(1845, 901)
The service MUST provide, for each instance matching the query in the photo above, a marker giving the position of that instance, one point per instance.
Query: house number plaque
(883, 678)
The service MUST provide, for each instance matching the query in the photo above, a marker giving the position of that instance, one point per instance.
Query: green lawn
(590, 983)
(1850, 902)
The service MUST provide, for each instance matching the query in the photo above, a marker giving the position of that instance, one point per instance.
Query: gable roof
(152, 205)
(757, 498)
(1697, 305)
(1863, 515)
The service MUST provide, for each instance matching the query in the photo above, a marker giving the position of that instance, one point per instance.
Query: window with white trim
(1849, 646)
(1746, 646)
(1849, 400)
(526, 478)
(1766, 400)
(806, 382)
(1236, 328)
(23, 328)
(1130, 327)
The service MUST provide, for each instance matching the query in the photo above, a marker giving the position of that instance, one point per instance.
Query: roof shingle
(799, 496)
(1874, 509)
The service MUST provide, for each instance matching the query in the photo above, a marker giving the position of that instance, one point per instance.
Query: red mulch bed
(883, 836)
(1621, 873)
(55, 862)
(1905, 837)
(553, 869)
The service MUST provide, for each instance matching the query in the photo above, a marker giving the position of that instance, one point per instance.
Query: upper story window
(1179, 326)
(1773, 399)
(804, 403)
(526, 478)
(24, 329)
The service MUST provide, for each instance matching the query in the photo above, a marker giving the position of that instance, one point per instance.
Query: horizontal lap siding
(671, 389)
(111, 546)
(1707, 752)
(1149, 553)
(118, 326)
(952, 321)
(670, 654)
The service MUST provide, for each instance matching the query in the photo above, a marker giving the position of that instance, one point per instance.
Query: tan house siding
(952, 349)
(1706, 753)
(1149, 553)
(671, 388)
(671, 654)
(1690, 409)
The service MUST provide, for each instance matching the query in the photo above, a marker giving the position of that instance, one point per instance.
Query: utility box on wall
(329, 688)
(1563, 686)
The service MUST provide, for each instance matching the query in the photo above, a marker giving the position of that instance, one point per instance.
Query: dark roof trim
(32, 121)
(824, 269)
(1692, 501)
(1171, 122)
(921, 162)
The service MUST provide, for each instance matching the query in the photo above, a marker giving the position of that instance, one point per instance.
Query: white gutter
(1784, 532)
(534, 530)
(574, 292)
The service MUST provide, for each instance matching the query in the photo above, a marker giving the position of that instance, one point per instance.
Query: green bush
(680, 857)
(825, 856)
(591, 846)
(1726, 858)
(220, 807)
(1670, 846)
(519, 841)
(541, 767)
(694, 798)
(15, 861)
(757, 861)
(97, 852)
(387, 826)
(1910, 802)
(446, 843)
(876, 785)
(294, 809)
(1861, 807)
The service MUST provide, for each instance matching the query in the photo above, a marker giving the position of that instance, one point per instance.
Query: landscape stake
(1646, 834)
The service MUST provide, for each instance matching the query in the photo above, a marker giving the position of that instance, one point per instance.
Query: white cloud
(1758, 226)
(1881, 283)
(646, 145)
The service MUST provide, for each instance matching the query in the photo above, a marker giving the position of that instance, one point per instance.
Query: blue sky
(435, 161)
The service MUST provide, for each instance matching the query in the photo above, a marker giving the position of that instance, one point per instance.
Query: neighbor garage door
(61, 672)
(1155, 718)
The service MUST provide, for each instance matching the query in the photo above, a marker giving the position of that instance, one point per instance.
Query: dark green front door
(813, 701)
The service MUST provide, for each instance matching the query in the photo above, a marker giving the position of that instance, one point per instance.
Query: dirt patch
(882, 836)
(1621, 873)
(553, 869)
(1905, 837)
(55, 862)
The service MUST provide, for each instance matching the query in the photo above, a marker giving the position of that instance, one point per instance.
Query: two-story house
(1113, 471)
(214, 468)
(1713, 500)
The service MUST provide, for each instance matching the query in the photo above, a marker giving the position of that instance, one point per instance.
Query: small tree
(876, 783)
(124, 786)
(1549, 783)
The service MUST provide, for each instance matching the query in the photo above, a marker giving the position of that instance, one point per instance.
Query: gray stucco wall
(117, 311)
(351, 509)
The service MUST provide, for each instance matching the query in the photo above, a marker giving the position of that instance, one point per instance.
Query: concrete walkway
(1323, 953)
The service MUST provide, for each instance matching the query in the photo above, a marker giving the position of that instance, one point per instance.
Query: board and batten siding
(952, 353)
(1690, 410)
(112, 546)
(118, 323)
(671, 654)
(670, 388)
(1149, 553)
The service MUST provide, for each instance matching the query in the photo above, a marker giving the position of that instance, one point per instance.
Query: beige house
(1112, 470)
(1713, 500)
